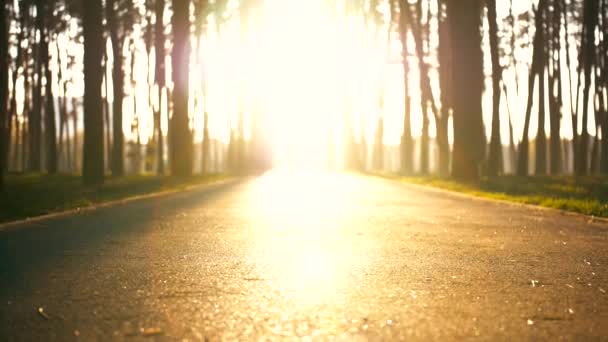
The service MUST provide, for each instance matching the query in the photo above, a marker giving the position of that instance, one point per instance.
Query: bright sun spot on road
(300, 222)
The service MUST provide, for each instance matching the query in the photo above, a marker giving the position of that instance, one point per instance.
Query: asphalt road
(306, 256)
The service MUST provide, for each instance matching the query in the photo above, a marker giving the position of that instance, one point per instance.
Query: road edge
(588, 218)
(14, 225)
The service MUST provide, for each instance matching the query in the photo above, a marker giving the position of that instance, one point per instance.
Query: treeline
(49, 124)
(443, 41)
(48, 48)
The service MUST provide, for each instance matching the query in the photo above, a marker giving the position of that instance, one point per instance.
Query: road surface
(309, 255)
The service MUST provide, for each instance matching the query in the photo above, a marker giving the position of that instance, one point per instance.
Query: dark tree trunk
(523, 151)
(117, 163)
(541, 136)
(76, 146)
(13, 110)
(50, 128)
(160, 81)
(36, 117)
(181, 146)
(555, 90)
(4, 67)
(603, 80)
(587, 54)
(92, 165)
(495, 166)
(469, 139)
(407, 158)
(445, 84)
(106, 112)
(426, 97)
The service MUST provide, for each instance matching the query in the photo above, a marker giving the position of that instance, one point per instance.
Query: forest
(104, 88)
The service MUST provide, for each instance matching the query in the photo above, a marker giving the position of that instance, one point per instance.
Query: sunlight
(299, 219)
(300, 80)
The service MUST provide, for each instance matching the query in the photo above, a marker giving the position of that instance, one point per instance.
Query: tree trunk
(469, 139)
(92, 165)
(4, 67)
(541, 136)
(160, 81)
(587, 54)
(495, 166)
(406, 139)
(36, 117)
(181, 147)
(523, 151)
(426, 94)
(50, 128)
(445, 84)
(106, 111)
(75, 147)
(555, 91)
(117, 163)
(13, 110)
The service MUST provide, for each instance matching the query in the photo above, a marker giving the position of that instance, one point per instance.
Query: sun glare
(299, 68)
(299, 216)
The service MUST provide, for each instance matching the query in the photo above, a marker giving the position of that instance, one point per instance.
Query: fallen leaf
(42, 313)
(151, 331)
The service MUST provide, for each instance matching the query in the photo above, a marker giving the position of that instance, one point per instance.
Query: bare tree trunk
(541, 136)
(160, 81)
(495, 166)
(445, 84)
(469, 139)
(555, 89)
(407, 142)
(106, 110)
(50, 127)
(36, 117)
(587, 61)
(181, 146)
(4, 68)
(523, 151)
(117, 164)
(92, 168)
(75, 148)
(426, 99)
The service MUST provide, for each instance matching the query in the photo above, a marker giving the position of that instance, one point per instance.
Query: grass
(585, 195)
(31, 195)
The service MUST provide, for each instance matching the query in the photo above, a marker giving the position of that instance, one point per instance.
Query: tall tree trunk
(603, 51)
(512, 148)
(117, 163)
(4, 68)
(92, 165)
(469, 139)
(181, 146)
(590, 10)
(13, 107)
(407, 142)
(106, 111)
(555, 90)
(16, 146)
(160, 81)
(50, 128)
(426, 94)
(36, 119)
(495, 166)
(445, 84)
(523, 151)
(64, 109)
(75, 147)
(541, 136)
